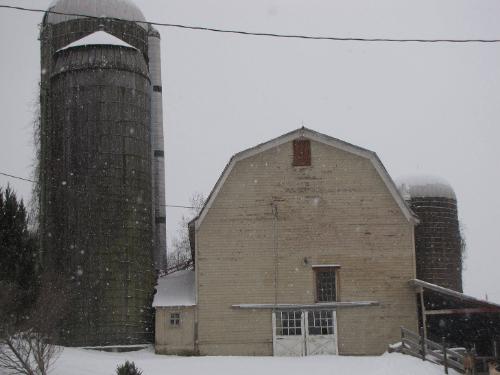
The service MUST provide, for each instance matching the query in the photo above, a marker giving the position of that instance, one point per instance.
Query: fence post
(422, 343)
(402, 341)
(473, 352)
(445, 356)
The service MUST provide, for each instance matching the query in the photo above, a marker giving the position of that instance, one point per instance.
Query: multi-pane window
(326, 285)
(320, 322)
(288, 323)
(175, 319)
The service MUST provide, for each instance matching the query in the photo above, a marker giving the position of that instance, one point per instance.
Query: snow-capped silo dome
(425, 186)
(122, 9)
(438, 242)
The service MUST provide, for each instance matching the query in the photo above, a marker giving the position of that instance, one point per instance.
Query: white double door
(304, 332)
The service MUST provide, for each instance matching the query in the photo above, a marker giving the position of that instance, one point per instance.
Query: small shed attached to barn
(175, 302)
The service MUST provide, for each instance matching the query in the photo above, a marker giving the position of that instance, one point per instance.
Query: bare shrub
(181, 255)
(27, 338)
(27, 353)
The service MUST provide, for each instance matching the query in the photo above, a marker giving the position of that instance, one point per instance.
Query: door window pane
(288, 323)
(320, 322)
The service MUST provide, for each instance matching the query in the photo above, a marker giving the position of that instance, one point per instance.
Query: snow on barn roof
(122, 9)
(99, 38)
(176, 289)
(425, 186)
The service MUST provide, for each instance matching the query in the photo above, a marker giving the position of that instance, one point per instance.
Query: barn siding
(338, 211)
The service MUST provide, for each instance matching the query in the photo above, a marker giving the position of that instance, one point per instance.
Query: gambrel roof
(317, 137)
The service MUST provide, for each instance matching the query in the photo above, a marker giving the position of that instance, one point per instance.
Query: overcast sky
(424, 108)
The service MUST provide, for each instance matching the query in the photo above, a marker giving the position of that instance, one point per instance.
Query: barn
(305, 246)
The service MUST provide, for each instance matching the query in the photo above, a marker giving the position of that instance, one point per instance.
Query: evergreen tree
(129, 368)
(17, 247)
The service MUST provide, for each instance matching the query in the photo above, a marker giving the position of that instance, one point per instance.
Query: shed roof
(321, 138)
(452, 293)
(175, 290)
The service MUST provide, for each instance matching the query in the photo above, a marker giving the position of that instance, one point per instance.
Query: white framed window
(175, 319)
(289, 323)
(320, 322)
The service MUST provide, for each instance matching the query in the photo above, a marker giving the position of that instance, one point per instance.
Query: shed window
(302, 153)
(175, 319)
(326, 288)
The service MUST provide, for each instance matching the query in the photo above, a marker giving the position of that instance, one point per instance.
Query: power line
(28, 180)
(176, 206)
(16, 177)
(162, 205)
(262, 34)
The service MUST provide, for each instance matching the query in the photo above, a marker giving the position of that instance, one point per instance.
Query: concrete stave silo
(438, 241)
(96, 169)
(154, 51)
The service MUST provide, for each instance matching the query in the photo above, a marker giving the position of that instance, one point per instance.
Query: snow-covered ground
(85, 362)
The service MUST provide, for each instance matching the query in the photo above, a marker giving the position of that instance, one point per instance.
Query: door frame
(305, 329)
(300, 338)
(335, 330)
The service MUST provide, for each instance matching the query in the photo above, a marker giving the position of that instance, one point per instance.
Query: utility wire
(163, 205)
(168, 205)
(176, 206)
(16, 177)
(28, 180)
(262, 34)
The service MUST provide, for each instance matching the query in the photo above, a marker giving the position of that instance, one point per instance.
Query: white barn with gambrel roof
(305, 246)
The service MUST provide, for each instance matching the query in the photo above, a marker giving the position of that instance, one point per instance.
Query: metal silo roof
(123, 9)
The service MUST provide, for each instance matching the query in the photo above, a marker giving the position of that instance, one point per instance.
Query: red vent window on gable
(302, 153)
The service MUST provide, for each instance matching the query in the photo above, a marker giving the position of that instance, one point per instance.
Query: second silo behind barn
(438, 242)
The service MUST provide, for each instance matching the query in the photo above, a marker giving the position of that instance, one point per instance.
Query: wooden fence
(427, 350)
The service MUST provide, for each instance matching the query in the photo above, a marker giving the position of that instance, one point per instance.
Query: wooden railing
(427, 350)
(181, 266)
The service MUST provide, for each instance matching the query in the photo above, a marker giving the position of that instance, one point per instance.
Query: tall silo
(438, 242)
(158, 149)
(98, 134)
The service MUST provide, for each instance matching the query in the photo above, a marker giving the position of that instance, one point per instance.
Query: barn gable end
(304, 133)
(309, 227)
